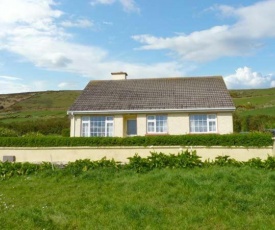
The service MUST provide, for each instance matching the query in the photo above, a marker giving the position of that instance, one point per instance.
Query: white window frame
(153, 120)
(209, 118)
(87, 120)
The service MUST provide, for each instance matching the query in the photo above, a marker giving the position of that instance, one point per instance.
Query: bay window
(203, 123)
(97, 126)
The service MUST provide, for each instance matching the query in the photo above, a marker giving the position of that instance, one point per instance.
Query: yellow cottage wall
(178, 124)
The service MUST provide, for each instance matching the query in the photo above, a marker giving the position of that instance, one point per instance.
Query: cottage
(158, 106)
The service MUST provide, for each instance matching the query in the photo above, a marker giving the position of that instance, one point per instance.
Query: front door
(131, 127)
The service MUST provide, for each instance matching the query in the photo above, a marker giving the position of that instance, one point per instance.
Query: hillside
(254, 101)
(49, 104)
(35, 105)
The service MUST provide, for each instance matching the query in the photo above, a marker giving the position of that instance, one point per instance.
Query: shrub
(251, 139)
(4, 132)
(65, 132)
(184, 159)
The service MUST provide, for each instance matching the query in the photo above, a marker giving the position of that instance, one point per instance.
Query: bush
(182, 160)
(251, 139)
(65, 132)
(4, 132)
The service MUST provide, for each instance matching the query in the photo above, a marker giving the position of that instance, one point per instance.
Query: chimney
(119, 76)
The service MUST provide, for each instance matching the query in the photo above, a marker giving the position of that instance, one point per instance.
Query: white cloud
(80, 23)
(28, 11)
(9, 84)
(128, 5)
(39, 40)
(68, 85)
(272, 84)
(245, 78)
(104, 2)
(10, 78)
(254, 23)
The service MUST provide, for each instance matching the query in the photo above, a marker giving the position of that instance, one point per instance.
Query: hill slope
(35, 105)
(50, 104)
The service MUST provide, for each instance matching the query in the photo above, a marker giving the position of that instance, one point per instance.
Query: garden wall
(66, 154)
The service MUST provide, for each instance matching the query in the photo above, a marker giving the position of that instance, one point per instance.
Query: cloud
(253, 24)
(10, 78)
(38, 39)
(10, 84)
(245, 78)
(68, 85)
(128, 5)
(28, 11)
(80, 23)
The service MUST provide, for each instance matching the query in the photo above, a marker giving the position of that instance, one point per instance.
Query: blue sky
(63, 44)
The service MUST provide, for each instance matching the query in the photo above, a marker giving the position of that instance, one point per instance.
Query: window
(202, 123)
(157, 124)
(97, 126)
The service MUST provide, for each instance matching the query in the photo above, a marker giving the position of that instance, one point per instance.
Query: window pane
(151, 127)
(212, 126)
(109, 129)
(151, 118)
(85, 129)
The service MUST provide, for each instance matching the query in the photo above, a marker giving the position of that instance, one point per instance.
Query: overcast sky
(63, 44)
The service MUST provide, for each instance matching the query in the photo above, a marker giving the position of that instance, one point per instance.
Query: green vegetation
(252, 139)
(35, 106)
(254, 101)
(46, 127)
(216, 197)
(182, 160)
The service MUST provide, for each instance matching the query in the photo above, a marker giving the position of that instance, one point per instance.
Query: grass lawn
(201, 198)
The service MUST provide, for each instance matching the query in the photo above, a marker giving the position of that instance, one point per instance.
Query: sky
(63, 44)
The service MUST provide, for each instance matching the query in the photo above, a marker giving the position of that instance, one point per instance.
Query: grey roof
(154, 94)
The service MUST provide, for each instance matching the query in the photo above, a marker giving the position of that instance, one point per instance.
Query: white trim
(227, 109)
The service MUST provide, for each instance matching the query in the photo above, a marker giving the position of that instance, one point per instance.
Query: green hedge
(252, 139)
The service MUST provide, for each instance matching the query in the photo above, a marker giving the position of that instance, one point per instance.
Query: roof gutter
(228, 109)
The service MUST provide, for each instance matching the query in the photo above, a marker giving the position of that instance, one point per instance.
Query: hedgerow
(246, 140)
(182, 160)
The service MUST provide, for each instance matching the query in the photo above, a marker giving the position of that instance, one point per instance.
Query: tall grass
(201, 198)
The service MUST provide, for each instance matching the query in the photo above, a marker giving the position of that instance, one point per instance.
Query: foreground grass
(201, 198)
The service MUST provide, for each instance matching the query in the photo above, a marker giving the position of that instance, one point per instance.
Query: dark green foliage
(5, 132)
(65, 132)
(160, 160)
(9, 169)
(252, 122)
(227, 161)
(182, 160)
(80, 166)
(251, 139)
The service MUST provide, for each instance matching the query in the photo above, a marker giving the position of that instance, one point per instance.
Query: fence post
(273, 150)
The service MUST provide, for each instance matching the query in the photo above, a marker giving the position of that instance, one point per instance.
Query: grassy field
(201, 198)
(261, 101)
